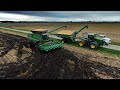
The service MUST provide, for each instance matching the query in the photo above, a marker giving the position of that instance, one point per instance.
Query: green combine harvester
(39, 38)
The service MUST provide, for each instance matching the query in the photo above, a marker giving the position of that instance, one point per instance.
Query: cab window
(45, 37)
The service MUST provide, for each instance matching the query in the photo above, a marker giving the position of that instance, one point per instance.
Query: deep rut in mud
(56, 64)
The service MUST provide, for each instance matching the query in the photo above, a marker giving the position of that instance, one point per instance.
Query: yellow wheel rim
(81, 44)
(92, 46)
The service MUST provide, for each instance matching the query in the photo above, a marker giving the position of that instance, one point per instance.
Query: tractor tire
(94, 45)
(82, 43)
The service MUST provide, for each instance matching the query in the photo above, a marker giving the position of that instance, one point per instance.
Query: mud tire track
(56, 64)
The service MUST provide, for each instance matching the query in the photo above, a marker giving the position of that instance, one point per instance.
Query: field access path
(115, 47)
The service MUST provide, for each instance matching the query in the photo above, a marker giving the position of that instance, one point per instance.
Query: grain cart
(106, 39)
(68, 35)
(90, 39)
(39, 38)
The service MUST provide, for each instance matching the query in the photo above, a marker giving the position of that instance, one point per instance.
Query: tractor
(90, 39)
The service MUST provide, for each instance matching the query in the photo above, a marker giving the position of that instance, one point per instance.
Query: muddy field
(112, 30)
(17, 62)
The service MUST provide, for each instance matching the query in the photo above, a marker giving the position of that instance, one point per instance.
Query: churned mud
(18, 62)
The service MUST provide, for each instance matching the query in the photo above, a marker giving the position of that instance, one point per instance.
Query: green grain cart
(68, 35)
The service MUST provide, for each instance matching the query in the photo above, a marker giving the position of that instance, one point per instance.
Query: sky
(74, 16)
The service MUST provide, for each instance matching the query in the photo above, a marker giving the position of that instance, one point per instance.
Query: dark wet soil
(56, 64)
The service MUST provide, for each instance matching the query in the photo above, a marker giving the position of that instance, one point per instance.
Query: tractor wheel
(94, 45)
(82, 43)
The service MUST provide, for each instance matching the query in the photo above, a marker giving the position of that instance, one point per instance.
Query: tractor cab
(91, 36)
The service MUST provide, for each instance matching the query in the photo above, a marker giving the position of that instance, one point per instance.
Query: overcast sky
(60, 15)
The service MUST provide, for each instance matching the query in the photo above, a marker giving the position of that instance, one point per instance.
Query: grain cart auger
(68, 35)
(39, 38)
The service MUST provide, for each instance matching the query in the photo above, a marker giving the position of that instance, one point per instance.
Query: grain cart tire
(94, 45)
(82, 43)
(73, 40)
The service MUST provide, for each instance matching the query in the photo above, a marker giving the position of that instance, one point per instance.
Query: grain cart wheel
(82, 43)
(73, 40)
(94, 45)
